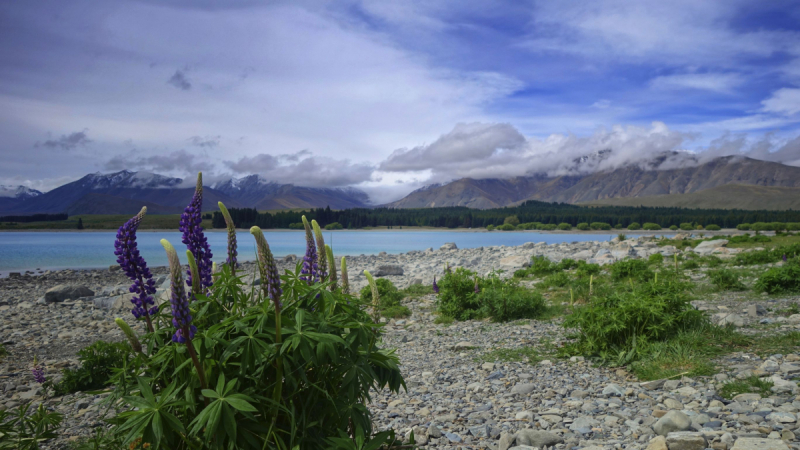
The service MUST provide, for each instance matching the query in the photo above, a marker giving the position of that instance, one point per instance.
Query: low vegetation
(98, 363)
(389, 298)
(748, 385)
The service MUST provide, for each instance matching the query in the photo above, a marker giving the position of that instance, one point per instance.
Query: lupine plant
(231, 227)
(193, 236)
(135, 268)
(287, 366)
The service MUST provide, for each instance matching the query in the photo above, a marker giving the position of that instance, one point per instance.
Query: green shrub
(635, 226)
(584, 269)
(768, 255)
(743, 226)
(699, 227)
(691, 265)
(713, 227)
(650, 226)
(388, 299)
(21, 430)
(540, 265)
(564, 226)
(443, 320)
(618, 226)
(521, 226)
(558, 279)
(511, 220)
(490, 227)
(600, 226)
(725, 279)
(749, 385)
(793, 226)
(506, 227)
(334, 226)
(687, 226)
(549, 227)
(497, 299)
(583, 226)
(624, 322)
(417, 290)
(98, 362)
(630, 268)
(781, 280)
(656, 258)
(673, 227)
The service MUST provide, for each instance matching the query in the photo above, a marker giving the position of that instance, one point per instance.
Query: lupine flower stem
(322, 257)
(332, 264)
(345, 281)
(310, 263)
(181, 318)
(271, 286)
(130, 334)
(135, 268)
(232, 251)
(193, 236)
(375, 296)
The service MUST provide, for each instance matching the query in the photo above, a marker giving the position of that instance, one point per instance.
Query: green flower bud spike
(332, 264)
(195, 273)
(232, 250)
(322, 257)
(135, 344)
(375, 296)
(345, 281)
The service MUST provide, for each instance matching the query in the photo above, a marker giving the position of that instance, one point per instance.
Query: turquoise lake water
(20, 251)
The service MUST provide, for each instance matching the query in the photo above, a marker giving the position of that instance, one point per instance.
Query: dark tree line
(531, 211)
(35, 218)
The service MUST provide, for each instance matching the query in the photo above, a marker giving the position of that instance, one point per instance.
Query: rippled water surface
(21, 251)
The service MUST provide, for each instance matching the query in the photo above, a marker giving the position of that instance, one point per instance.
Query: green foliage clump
(334, 226)
(635, 226)
(621, 324)
(687, 226)
(781, 280)
(746, 239)
(558, 279)
(564, 226)
(630, 268)
(417, 290)
(656, 258)
(725, 279)
(650, 226)
(768, 255)
(23, 431)
(98, 363)
(600, 226)
(497, 299)
(743, 226)
(388, 299)
(490, 227)
(506, 227)
(673, 227)
(691, 265)
(713, 227)
(751, 385)
(511, 220)
(583, 226)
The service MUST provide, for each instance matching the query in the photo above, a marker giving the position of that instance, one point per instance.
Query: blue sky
(389, 96)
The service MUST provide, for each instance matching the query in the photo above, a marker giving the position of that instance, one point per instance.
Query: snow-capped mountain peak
(22, 192)
(128, 179)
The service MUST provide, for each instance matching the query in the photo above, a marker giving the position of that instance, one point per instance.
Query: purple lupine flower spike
(232, 253)
(435, 286)
(38, 372)
(270, 280)
(477, 288)
(784, 257)
(193, 236)
(135, 268)
(310, 267)
(181, 317)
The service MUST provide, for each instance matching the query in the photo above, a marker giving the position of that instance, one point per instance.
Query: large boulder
(709, 247)
(747, 443)
(66, 292)
(537, 438)
(672, 421)
(449, 246)
(386, 270)
(686, 440)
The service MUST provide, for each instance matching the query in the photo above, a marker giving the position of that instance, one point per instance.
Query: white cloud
(303, 169)
(784, 101)
(716, 82)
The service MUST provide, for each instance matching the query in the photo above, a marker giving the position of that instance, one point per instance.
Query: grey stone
(506, 440)
(452, 437)
(387, 270)
(672, 421)
(751, 443)
(434, 431)
(449, 246)
(290, 258)
(613, 389)
(782, 417)
(66, 292)
(671, 385)
(686, 440)
(537, 438)
(523, 388)
(652, 385)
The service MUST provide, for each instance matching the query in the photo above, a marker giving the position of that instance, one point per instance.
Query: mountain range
(725, 182)
(126, 192)
(623, 183)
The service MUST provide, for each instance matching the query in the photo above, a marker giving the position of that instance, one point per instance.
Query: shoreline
(724, 231)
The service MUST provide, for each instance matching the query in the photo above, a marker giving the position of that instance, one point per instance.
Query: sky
(390, 96)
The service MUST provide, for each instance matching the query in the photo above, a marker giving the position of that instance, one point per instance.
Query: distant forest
(34, 218)
(530, 211)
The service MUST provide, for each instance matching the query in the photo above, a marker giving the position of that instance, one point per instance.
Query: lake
(20, 251)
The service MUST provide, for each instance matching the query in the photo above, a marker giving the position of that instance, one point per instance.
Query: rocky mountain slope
(126, 192)
(626, 182)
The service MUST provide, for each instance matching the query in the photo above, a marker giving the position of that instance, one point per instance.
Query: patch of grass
(788, 311)
(758, 241)
(690, 265)
(781, 280)
(98, 362)
(443, 320)
(775, 343)
(752, 384)
(529, 354)
(396, 312)
(417, 290)
(726, 280)
(671, 361)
